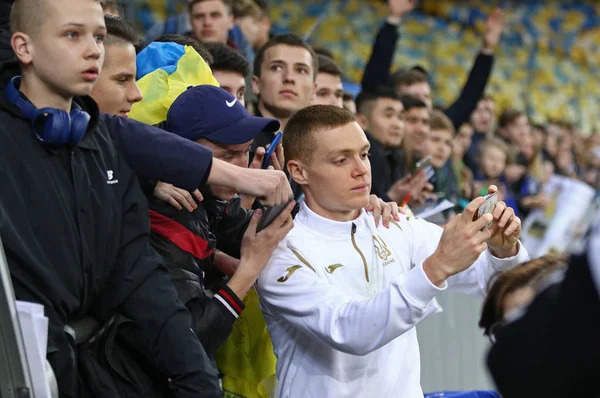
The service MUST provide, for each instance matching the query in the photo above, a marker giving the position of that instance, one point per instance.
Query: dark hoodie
(75, 229)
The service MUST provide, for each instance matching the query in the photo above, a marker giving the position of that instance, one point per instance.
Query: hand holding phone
(270, 150)
(270, 214)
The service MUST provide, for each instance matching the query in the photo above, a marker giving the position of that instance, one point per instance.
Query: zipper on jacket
(362, 256)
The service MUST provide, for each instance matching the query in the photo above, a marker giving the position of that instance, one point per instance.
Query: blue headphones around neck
(51, 126)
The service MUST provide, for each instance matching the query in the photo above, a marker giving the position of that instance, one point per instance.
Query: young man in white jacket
(341, 296)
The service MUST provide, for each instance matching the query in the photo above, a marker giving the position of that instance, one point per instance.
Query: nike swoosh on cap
(232, 103)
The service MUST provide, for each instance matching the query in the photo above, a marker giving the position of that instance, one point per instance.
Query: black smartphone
(270, 214)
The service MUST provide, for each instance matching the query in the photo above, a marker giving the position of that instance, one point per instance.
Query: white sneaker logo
(110, 175)
(232, 103)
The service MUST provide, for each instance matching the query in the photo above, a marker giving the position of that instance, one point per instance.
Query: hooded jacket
(75, 230)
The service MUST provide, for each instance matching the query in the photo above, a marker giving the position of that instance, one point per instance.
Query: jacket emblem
(383, 252)
(289, 271)
(332, 267)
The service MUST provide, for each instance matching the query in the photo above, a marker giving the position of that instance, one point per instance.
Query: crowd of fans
(215, 76)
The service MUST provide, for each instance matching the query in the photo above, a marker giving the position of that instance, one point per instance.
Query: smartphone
(425, 164)
(488, 207)
(270, 214)
(267, 159)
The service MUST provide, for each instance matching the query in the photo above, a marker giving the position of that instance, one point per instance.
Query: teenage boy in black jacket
(73, 219)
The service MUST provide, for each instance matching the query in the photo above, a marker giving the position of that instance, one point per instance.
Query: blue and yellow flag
(165, 70)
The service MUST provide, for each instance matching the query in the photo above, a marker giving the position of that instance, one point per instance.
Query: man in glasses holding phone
(342, 296)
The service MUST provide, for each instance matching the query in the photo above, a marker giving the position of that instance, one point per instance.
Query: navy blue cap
(214, 114)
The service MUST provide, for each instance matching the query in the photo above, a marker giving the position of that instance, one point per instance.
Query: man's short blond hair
(299, 141)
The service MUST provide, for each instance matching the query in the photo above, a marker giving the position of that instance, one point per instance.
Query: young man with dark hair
(230, 69)
(188, 41)
(116, 90)
(90, 255)
(285, 73)
(330, 89)
(380, 114)
(377, 71)
(341, 297)
(211, 20)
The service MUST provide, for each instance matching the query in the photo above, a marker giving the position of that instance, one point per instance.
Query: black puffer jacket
(186, 241)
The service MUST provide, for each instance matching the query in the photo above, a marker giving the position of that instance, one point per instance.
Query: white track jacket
(341, 301)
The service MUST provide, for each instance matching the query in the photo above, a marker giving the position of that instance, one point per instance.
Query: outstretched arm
(460, 111)
(377, 70)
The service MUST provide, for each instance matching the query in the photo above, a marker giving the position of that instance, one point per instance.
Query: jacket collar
(324, 226)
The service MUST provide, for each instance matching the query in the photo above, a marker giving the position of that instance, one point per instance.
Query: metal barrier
(15, 378)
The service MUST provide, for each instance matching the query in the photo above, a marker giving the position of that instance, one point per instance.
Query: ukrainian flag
(165, 70)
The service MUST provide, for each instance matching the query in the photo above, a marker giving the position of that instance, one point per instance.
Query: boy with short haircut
(90, 255)
(439, 142)
(116, 90)
(493, 158)
(330, 90)
(230, 69)
(341, 296)
(285, 73)
(439, 147)
(211, 20)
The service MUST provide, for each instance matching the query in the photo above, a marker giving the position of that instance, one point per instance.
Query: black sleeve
(460, 111)
(554, 349)
(142, 291)
(213, 320)
(157, 155)
(377, 71)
